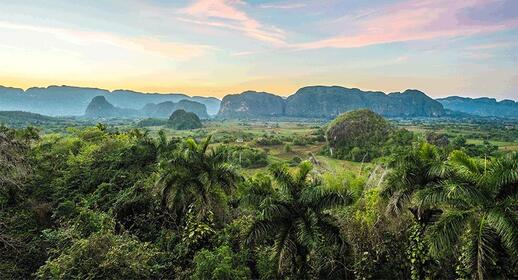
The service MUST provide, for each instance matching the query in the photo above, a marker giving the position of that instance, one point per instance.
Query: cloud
(493, 46)
(285, 6)
(413, 20)
(173, 50)
(487, 51)
(226, 14)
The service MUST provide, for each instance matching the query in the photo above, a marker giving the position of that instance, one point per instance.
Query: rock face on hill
(165, 109)
(99, 107)
(211, 103)
(72, 101)
(195, 107)
(160, 110)
(251, 104)
(328, 102)
(481, 106)
(181, 120)
(324, 102)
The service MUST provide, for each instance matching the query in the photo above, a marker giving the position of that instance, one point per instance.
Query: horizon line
(248, 90)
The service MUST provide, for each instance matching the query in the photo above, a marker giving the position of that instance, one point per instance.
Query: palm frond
(485, 244)
(261, 229)
(506, 226)
(320, 198)
(284, 179)
(447, 230)
(303, 170)
(256, 190)
(502, 177)
(465, 165)
(205, 144)
(285, 249)
(307, 233)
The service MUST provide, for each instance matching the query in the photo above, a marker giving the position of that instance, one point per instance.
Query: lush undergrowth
(256, 201)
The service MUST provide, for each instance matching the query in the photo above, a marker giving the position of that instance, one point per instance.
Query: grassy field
(505, 137)
(247, 133)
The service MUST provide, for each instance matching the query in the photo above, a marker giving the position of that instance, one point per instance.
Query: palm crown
(293, 213)
(480, 203)
(196, 176)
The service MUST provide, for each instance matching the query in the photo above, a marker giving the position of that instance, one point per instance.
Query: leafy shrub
(245, 156)
(106, 256)
(151, 122)
(268, 140)
(220, 264)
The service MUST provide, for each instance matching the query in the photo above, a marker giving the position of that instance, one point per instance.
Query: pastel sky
(217, 47)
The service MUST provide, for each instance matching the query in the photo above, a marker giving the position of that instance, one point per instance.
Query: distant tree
(459, 142)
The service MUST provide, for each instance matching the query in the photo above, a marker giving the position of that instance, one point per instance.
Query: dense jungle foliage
(108, 203)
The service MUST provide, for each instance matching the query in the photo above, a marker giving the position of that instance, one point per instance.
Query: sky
(218, 47)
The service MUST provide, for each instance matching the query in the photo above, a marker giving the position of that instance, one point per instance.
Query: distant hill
(481, 106)
(99, 107)
(72, 101)
(252, 104)
(23, 119)
(165, 109)
(328, 102)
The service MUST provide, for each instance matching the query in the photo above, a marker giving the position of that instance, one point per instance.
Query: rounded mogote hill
(358, 131)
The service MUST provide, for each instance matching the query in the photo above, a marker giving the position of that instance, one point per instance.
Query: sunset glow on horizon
(219, 47)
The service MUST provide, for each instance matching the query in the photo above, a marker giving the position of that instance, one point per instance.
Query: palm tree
(294, 213)
(480, 204)
(421, 168)
(197, 177)
(165, 147)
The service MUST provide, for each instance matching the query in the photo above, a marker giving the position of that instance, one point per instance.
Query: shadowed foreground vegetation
(107, 202)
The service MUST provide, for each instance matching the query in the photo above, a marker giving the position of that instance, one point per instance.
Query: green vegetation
(259, 200)
(358, 135)
(181, 120)
(151, 122)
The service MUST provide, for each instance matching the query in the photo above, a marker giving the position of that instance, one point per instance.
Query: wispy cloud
(284, 6)
(413, 20)
(493, 46)
(227, 14)
(487, 50)
(173, 50)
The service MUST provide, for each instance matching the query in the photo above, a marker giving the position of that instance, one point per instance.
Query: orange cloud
(173, 50)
